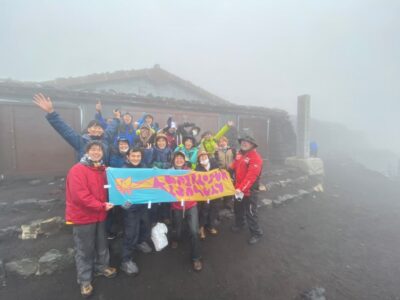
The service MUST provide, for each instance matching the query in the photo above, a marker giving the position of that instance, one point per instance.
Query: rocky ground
(338, 240)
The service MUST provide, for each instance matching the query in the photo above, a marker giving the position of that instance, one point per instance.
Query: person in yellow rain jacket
(209, 142)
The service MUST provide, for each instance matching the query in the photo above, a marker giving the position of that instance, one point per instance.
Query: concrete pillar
(303, 126)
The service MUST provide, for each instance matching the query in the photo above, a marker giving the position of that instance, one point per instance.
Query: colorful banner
(143, 186)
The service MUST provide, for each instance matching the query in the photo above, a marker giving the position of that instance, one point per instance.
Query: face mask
(205, 162)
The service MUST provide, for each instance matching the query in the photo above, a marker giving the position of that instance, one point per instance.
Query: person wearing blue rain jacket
(94, 131)
(118, 153)
(125, 130)
(162, 156)
(117, 160)
(99, 117)
(148, 119)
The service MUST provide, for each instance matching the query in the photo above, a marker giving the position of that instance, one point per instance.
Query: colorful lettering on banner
(140, 186)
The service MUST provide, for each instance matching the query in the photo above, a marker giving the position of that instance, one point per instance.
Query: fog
(345, 54)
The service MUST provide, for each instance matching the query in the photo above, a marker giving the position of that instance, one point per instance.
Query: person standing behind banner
(145, 141)
(208, 210)
(185, 211)
(162, 156)
(225, 156)
(247, 167)
(117, 160)
(86, 210)
(188, 147)
(136, 221)
(170, 132)
(208, 142)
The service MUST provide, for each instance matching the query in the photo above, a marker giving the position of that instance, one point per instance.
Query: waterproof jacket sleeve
(99, 118)
(63, 129)
(148, 156)
(111, 130)
(79, 191)
(252, 174)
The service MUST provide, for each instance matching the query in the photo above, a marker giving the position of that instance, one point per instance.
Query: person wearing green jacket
(209, 143)
(188, 147)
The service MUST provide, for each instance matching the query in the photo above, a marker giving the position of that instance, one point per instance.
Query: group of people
(122, 143)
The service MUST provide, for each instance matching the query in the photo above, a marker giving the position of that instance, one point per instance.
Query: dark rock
(24, 267)
(49, 262)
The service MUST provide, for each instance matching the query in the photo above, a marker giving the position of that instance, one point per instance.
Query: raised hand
(98, 106)
(230, 123)
(117, 113)
(43, 102)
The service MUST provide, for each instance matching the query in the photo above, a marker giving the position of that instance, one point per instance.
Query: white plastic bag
(159, 236)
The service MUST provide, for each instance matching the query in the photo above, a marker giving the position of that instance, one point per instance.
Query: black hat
(248, 138)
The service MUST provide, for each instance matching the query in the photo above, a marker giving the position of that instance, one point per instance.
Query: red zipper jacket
(247, 167)
(85, 194)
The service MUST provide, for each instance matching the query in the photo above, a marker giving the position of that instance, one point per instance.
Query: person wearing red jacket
(86, 210)
(247, 168)
(186, 210)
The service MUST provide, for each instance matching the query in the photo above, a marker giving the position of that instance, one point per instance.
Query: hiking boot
(130, 268)
(144, 247)
(254, 239)
(108, 272)
(86, 290)
(202, 233)
(197, 265)
(212, 230)
(174, 245)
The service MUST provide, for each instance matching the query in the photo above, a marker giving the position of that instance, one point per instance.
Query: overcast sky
(344, 53)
